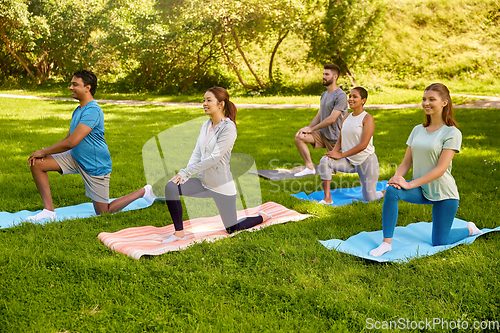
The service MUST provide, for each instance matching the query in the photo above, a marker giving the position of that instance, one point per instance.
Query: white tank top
(351, 131)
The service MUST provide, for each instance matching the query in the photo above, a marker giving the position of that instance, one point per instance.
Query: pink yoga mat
(139, 241)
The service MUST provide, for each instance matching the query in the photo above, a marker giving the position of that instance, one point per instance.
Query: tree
(162, 45)
(17, 31)
(345, 32)
(197, 34)
(45, 35)
(252, 21)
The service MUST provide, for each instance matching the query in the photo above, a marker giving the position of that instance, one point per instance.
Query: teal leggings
(443, 214)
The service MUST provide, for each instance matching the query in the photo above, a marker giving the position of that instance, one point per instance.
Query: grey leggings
(368, 172)
(226, 204)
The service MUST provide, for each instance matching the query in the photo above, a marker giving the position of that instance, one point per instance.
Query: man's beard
(327, 83)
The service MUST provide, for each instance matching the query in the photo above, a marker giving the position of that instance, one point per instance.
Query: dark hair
(88, 78)
(223, 96)
(444, 93)
(362, 92)
(334, 68)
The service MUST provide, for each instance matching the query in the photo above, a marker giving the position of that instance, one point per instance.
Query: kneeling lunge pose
(210, 159)
(324, 129)
(431, 148)
(83, 151)
(358, 152)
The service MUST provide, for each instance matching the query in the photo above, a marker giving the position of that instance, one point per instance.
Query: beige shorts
(320, 141)
(96, 187)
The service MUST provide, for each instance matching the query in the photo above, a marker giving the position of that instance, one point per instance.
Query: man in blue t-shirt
(82, 151)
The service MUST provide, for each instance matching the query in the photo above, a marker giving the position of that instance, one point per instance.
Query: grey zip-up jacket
(211, 160)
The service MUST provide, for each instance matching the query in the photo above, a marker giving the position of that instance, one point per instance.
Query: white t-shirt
(352, 130)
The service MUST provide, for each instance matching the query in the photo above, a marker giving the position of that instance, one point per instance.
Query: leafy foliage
(270, 47)
(346, 33)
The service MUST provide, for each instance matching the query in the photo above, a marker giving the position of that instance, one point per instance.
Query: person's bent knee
(370, 197)
(100, 212)
(324, 169)
(304, 139)
(48, 164)
(437, 241)
(392, 193)
(171, 191)
(37, 167)
(100, 207)
(232, 228)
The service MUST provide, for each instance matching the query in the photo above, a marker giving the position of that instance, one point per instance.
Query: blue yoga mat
(412, 241)
(84, 210)
(340, 196)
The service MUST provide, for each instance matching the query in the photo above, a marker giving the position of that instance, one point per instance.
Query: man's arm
(306, 130)
(69, 142)
(327, 121)
(316, 120)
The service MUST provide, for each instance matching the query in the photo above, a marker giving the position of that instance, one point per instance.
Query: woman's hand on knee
(334, 154)
(177, 180)
(398, 182)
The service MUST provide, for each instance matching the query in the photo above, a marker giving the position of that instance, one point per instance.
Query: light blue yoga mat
(340, 196)
(84, 210)
(412, 241)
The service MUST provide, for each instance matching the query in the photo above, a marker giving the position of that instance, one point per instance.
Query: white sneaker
(44, 214)
(475, 230)
(381, 249)
(305, 172)
(149, 196)
(172, 238)
(323, 202)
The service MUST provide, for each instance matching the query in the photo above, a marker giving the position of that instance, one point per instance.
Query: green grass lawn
(59, 277)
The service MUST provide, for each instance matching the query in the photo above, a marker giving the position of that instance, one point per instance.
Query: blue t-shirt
(92, 152)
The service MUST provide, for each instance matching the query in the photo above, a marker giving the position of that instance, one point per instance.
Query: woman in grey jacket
(210, 159)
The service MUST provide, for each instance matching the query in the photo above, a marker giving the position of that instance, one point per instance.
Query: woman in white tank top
(358, 153)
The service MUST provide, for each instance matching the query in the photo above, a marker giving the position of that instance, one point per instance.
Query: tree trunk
(43, 68)
(344, 68)
(199, 65)
(6, 41)
(238, 46)
(234, 66)
(280, 39)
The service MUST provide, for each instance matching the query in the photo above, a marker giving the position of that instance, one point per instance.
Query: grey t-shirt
(335, 100)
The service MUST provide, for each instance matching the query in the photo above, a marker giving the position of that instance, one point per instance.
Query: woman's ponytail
(230, 110)
(223, 96)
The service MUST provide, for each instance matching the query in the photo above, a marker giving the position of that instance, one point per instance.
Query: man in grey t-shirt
(324, 129)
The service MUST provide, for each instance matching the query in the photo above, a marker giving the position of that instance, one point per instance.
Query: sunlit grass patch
(60, 277)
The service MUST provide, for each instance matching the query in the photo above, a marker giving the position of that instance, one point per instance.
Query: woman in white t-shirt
(431, 148)
(358, 153)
